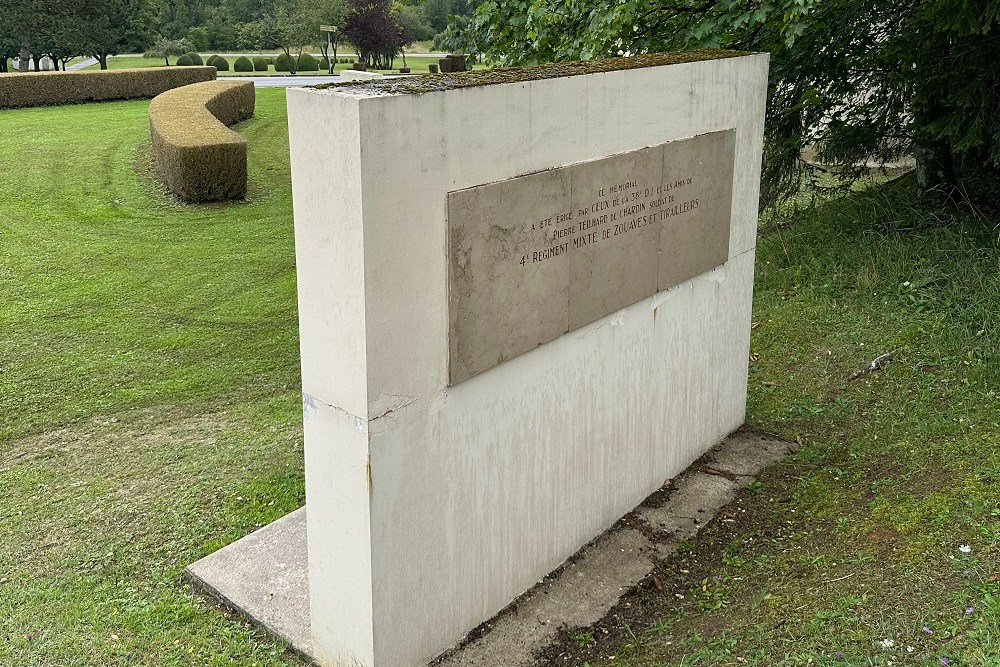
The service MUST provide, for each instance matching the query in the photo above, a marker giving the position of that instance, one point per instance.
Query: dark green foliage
(18, 90)
(222, 64)
(211, 59)
(861, 80)
(243, 64)
(282, 63)
(259, 64)
(195, 58)
(184, 61)
(307, 63)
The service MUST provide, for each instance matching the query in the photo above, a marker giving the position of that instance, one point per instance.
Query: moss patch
(491, 77)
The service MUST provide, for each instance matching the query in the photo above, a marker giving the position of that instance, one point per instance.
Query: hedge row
(36, 89)
(196, 156)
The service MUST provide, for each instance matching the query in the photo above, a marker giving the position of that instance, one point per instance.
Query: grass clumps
(243, 64)
(196, 156)
(44, 88)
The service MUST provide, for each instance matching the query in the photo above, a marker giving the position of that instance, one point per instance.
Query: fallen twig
(877, 364)
(846, 576)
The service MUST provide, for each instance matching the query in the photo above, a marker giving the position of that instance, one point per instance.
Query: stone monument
(524, 303)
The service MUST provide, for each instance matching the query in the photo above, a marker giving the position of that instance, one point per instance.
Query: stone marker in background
(524, 302)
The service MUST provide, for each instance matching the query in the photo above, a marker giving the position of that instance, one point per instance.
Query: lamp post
(329, 30)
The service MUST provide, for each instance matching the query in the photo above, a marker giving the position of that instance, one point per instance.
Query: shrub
(307, 63)
(19, 90)
(195, 58)
(259, 65)
(211, 60)
(184, 61)
(221, 64)
(323, 63)
(196, 156)
(282, 63)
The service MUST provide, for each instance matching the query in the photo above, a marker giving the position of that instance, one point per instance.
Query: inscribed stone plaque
(533, 257)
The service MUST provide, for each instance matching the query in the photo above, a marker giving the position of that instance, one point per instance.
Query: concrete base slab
(265, 574)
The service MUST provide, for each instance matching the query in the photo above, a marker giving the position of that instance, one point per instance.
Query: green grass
(150, 413)
(148, 389)
(417, 64)
(855, 541)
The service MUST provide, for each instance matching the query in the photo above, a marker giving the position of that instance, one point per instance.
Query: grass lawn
(150, 413)
(149, 396)
(416, 63)
(878, 541)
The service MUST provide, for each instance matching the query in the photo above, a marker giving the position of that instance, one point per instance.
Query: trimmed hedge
(307, 63)
(196, 156)
(282, 63)
(195, 58)
(220, 64)
(211, 60)
(243, 64)
(184, 61)
(42, 88)
(261, 64)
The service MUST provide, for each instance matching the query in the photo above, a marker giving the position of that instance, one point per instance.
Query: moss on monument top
(427, 83)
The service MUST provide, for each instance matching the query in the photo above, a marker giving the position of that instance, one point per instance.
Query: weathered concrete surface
(535, 256)
(264, 575)
(433, 506)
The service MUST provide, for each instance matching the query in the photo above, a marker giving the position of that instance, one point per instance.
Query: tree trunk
(167, 60)
(102, 58)
(25, 56)
(934, 164)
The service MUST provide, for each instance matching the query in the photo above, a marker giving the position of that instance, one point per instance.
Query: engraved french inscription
(533, 257)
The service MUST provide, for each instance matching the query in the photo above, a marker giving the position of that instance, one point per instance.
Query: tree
(286, 26)
(109, 27)
(373, 28)
(9, 48)
(863, 80)
(329, 13)
(164, 48)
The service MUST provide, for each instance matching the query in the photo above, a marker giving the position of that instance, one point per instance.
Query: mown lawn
(149, 413)
(878, 541)
(149, 396)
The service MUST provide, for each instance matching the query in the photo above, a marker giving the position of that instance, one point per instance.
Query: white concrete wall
(431, 508)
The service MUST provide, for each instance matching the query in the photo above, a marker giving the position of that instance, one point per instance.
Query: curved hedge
(196, 156)
(220, 64)
(184, 61)
(42, 88)
(261, 64)
(243, 64)
(195, 58)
